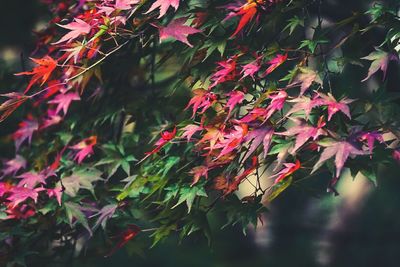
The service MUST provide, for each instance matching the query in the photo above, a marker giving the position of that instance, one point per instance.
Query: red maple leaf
(125, 237)
(46, 66)
(275, 62)
(289, 169)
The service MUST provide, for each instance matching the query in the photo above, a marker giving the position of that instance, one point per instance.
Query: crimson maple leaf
(20, 194)
(275, 62)
(341, 150)
(56, 192)
(163, 5)
(289, 169)
(63, 101)
(178, 31)
(125, 237)
(85, 148)
(46, 66)
(77, 27)
(226, 71)
(202, 99)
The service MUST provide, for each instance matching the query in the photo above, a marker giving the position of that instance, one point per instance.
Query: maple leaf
(166, 136)
(304, 132)
(289, 169)
(334, 106)
(20, 212)
(51, 119)
(25, 132)
(12, 166)
(85, 148)
(81, 178)
(190, 130)
(212, 136)
(178, 31)
(305, 78)
(56, 192)
(163, 5)
(20, 194)
(15, 100)
(258, 136)
(305, 104)
(31, 179)
(125, 237)
(198, 172)
(202, 99)
(5, 188)
(77, 28)
(63, 101)
(380, 60)
(45, 68)
(226, 71)
(247, 13)
(231, 140)
(104, 215)
(125, 4)
(234, 185)
(275, 63)
(341, 150)
(371, 137)
(250, 69)
(235, 97)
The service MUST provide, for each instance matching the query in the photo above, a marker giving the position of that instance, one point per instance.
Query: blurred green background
(305, 226)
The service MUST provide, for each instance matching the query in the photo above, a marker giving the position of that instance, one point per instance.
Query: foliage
(110, 136)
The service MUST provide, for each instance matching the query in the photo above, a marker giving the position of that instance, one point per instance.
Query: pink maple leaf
(20, 194)
(304, 132)
(77, 28)
(371, 137)
(190, 130)
(202, 99)
(125, 4)
(178, 31)
(250, 69)
(275, 63)
(12, 166)
(56, 193)
(51, 119)
(163, 5)
(277, 102)
(84, 148)
(258, 136)
(341, 150)
(305, 104)
(226, 71)
(334, 106)
(63, 101)
(25, 131)
(380, 60)
(5, 188)
(31, 179)
(232, 139)
(235, 97)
